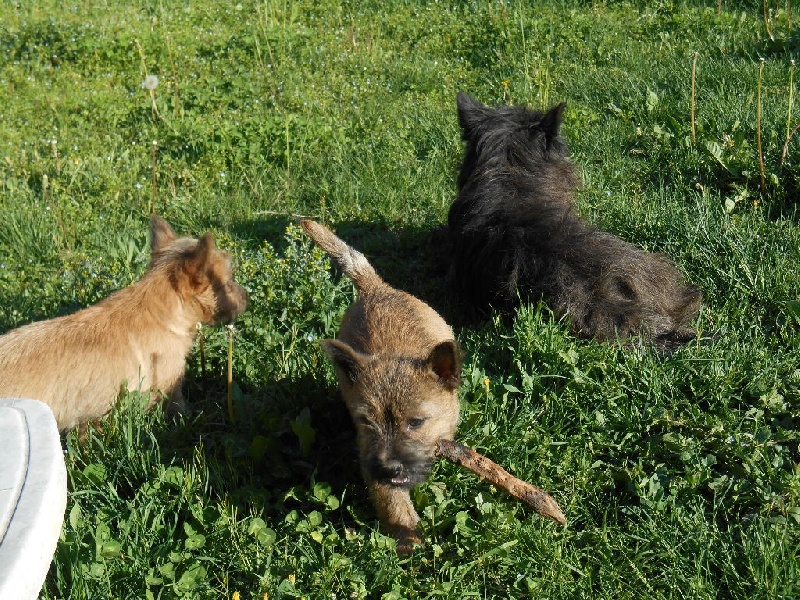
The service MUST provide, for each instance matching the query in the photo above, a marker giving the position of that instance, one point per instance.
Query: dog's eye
(363, 420)
(415, 423)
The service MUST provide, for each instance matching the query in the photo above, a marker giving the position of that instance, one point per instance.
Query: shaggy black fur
(514, 232)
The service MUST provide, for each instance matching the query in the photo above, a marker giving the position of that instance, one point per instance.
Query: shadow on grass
(408, 258)
(287, 437)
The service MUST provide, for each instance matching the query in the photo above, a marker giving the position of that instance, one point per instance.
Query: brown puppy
(398, 367)
(139, 336)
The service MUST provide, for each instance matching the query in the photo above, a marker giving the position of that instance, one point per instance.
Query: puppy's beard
(403, 474)
(225, 319)
(229, 311)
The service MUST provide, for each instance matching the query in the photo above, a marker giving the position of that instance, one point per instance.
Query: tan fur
(139, 336)
(398, 367)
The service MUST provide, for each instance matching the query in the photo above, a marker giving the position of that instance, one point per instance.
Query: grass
(680, 477)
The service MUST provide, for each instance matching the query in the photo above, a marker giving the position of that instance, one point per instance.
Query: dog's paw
(407, 540)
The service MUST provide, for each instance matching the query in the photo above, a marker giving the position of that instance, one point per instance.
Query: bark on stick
(489, 470)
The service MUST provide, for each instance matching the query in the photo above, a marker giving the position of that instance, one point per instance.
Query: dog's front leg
(174, 403)
(396, 513)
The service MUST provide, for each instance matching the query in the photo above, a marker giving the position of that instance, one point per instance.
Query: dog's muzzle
(400, 474)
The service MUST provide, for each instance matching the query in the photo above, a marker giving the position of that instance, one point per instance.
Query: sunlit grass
(679, 476)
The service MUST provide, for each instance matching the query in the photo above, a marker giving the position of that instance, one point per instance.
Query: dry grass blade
(487, 469)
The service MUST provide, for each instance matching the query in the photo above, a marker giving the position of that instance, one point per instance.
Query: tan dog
(398, 367)
(139, 336)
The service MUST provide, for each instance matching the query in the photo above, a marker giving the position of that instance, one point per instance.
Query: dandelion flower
(150, 82)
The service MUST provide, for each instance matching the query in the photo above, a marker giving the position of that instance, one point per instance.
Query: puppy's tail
(352, 263)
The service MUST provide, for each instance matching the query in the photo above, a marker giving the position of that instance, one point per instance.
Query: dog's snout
(393, 468)
(394, 472)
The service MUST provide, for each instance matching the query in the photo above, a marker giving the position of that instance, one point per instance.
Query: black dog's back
(514, 232)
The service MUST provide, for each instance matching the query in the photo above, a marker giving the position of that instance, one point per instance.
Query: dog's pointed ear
(161, 234)
(445, 362)
(204, 247)
(346, 360)
(551, 122)
(196, 262)
(470, 113)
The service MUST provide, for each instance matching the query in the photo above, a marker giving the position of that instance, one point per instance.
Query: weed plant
(679, 476)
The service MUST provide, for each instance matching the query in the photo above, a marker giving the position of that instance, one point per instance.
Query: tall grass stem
(231, 414)
(789, 110)
(141, 56)
(758, 127)
(694, 97)
(154, 186)
(56, 158)
(785, 152)
(766, 20)
(201, 342)
(176, 103)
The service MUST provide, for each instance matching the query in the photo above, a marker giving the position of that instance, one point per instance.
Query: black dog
(514, 232)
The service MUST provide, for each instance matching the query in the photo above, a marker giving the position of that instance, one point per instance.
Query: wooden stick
(487, 469)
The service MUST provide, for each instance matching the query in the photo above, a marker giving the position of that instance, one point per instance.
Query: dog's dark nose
(396, 473)
(394, 468)
(389, 470)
